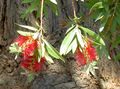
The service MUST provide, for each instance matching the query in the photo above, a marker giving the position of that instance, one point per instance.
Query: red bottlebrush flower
(26, 63)
(28, 44)
(31, 64)
(21, 39)
(80, 58)
(37, 66)
(91, 52)
(30, 48)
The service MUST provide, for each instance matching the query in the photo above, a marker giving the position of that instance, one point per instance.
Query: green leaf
(52, 5)
(14, 48)
(43, 49)
(54, 1)
(39, 50)
(102, 51)
(52, 51)
(72, 46)
(66, 42)
(26, 1)
(79, 37)
(30, 77)
(28, 27)
(99, 17)
(71, 28)
(97, 5)
(25, 33)
(97, 38)
(48, 58)
(33, 7)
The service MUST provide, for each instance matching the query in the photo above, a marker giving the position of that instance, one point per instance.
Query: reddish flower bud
(91, 52)
(80, 58)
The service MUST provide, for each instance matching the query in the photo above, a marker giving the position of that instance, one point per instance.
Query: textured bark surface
(7, 20)
(58, 75)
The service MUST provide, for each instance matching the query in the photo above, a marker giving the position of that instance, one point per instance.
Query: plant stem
(41, 14)
(74, 11)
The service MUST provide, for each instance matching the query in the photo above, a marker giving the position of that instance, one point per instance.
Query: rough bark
(7, 20)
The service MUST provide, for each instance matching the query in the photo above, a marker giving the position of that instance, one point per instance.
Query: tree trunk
(7, 20)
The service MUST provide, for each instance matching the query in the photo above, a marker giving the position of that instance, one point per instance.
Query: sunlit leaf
(79, 37)
(39, 54)
(66, 42)
(28, 27)
(52, 51)
(25, 33)
(54, 1)
(72, 46)
(14, 48)
(71, 28)
(93, 34)
(48, 58)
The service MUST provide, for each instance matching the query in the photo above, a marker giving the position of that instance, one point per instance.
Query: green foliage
(34, 6)
(30, 77)
(14, 48)
(45, 50)
(52, 51)
(28, 27)
(108, 13)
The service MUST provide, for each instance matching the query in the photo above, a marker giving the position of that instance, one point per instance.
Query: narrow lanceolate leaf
(71, 28)
(54, 1)
(79, 37)
(67, 41)
(43, 49)
(52, 51)
(96, 6)
(48, 58)
(28, 27)
(93, 34)
(39, 54)
(23, 33)
(72, 46)
(26, 1)
(14, 48)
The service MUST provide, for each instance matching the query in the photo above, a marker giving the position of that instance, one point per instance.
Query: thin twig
(41, 14)
(73, 5)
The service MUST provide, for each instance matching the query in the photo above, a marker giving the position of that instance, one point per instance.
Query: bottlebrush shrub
(34, 50)
(77, 40)
(29, 59)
